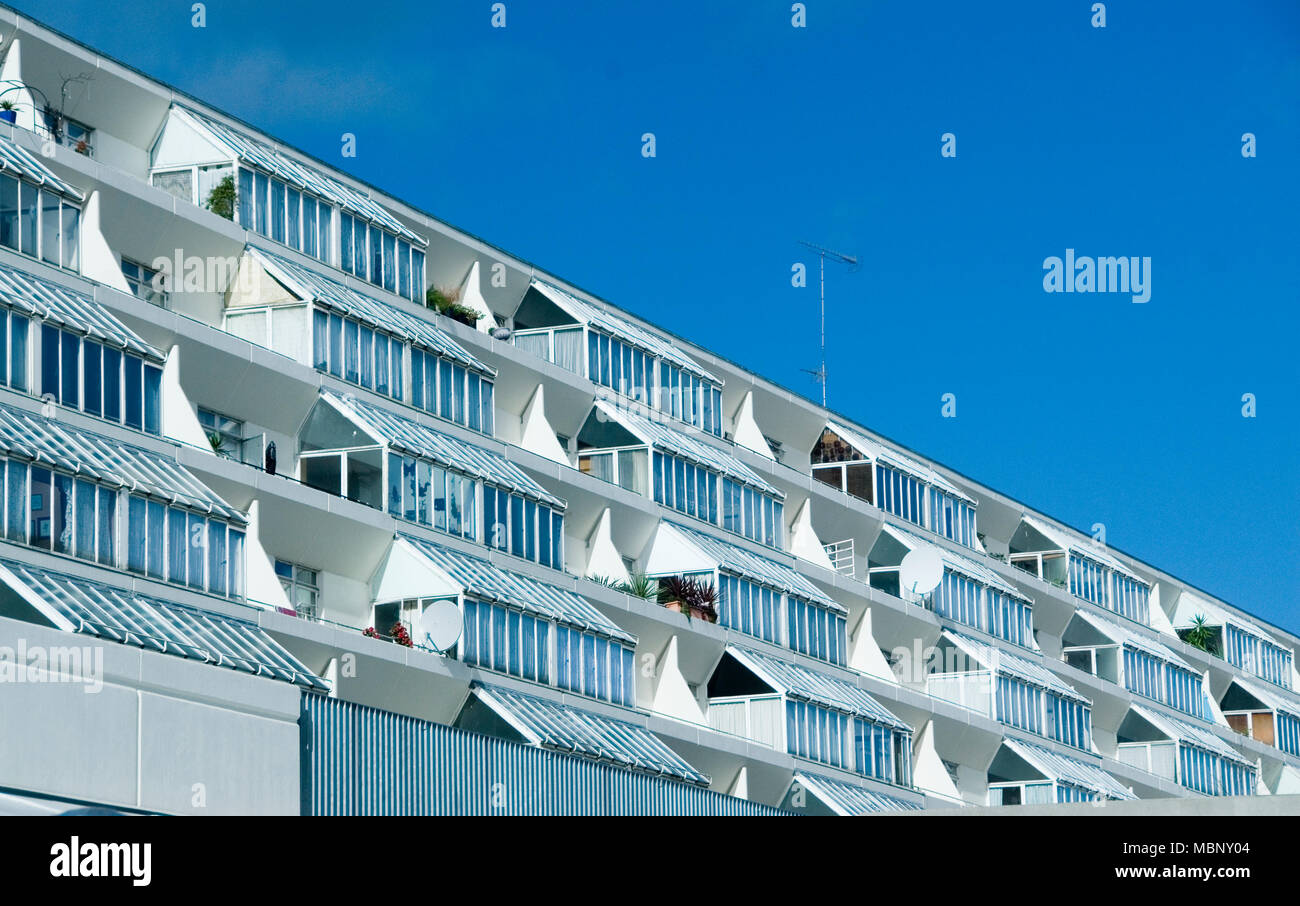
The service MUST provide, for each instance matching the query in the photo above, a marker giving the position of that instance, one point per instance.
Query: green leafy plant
(6, 105)
(221, 200)
(639, 585)
(1201, 635)
(446, 301)
(691, 596)
(218, 443)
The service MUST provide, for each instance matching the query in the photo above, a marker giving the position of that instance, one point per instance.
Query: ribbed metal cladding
(358, 760)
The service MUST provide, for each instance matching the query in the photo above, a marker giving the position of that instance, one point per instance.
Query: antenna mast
(824, 253)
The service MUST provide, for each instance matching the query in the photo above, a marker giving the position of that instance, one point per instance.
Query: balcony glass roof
(875, 450)
(850, 800)
(124, 616)
(403, 435)
(956, 562)
(70, 310)
(1124, 636)
(679, 443)
(749, 565)
(485, 580)
(1065, 542)
(109, 462)
(330, 294)
(564, 728)
(794, 681)
(1069, 770)
(587, 313)
(18, 161)
(1003, 662)
(270, 160)
(1189, 733)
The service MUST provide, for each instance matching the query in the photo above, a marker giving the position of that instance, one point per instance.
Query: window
(225, 434)
(300, 584)
(144, 281)
(39, 223)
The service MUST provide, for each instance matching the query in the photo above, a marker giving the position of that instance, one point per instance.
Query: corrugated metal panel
(623, 330)
(851, 800)
(484, 580)
(110, 462)
(407, 436)
(762, 570)
(1071, 770)
(22, 163)
(70, 310)
(382, 316)
(129, 618)
(264, 157)
(1003, 662)
(877, 451)
(358, 760)
(800, 682)
(670, 440)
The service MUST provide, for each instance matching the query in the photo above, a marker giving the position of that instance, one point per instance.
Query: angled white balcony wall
(969, 593)
(511, 714)
(511, 623)
(535, 432)
(643, 369)
(1082, 567)
(1238, 640)
(1185, 753)
(805, 544)
(746, 431)
(851, 462)
(1026, 774)
(808, 714)
(680, 472)
(757, 596)
(285, 200)
(384, 460)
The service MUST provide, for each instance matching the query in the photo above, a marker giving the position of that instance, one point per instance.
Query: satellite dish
(441, 625)
(921, 571)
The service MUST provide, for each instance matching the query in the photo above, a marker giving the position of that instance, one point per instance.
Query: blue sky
(1117, 141)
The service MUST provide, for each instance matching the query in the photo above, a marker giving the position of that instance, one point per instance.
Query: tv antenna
(852, 262)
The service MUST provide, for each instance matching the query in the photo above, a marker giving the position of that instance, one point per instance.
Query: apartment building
(313, 504)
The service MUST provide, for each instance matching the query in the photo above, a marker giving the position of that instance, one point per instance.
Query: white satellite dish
(921, 571)
(441, 625)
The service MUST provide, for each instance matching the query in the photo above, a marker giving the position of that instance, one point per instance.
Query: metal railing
(841, 554)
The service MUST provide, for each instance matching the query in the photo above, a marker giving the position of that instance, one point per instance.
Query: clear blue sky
(1117, 141)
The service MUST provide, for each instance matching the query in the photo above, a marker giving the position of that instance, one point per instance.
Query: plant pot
(464, 319)
(9, 116)
(674, 606)
(699, 613)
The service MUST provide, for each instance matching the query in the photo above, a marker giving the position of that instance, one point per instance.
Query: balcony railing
(841, 554)
(969, 690)
(756, 717)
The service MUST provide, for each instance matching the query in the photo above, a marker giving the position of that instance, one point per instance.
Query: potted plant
(1201, 635)
(447, 302)
(689, 596)
(401, 636)
(7, 112)
(221, 200)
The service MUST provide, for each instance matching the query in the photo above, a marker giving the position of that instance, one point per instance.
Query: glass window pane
(112, 384)
(92, 397)
(133, 386)
(17, 352)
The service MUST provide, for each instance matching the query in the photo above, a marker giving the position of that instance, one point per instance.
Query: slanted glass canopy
(40, 214)
(1140, 664)
(1088, 571)
(126, 617)
(970, 593)
(518, 625)
(588, 340)
(681, 472)
(848, 460)
(1184, 752)
(288, 201)
(1011, 689)
(758, 596)
(563, 728)
(64, 346)
(809, 714)
(1262, 713)
(1241, 642)
(356, 450)
(1026, 774)
(836, 797)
